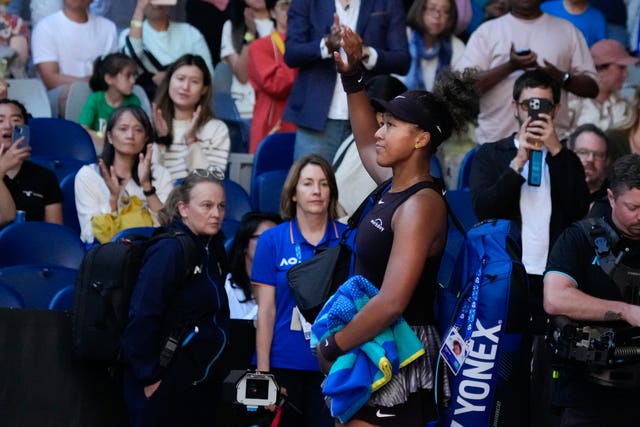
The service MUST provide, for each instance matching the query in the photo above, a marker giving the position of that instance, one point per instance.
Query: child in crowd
(14, 41)
(189, 137)
(112, 81)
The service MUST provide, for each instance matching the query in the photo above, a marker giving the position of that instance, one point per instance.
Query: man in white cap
(609, 109)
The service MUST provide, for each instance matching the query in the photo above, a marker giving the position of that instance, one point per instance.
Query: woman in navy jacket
(188, 303)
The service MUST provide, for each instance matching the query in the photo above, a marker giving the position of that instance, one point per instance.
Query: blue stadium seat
(40, 243)
(9, 298)
(224, 108)
(270, 188)
(465, 169)
(238, 204)
(60, 145)
(275, 153)
(69, 211)
(37, 284)
(63, 299)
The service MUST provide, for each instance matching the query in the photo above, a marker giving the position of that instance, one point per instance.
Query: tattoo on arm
(610, 315)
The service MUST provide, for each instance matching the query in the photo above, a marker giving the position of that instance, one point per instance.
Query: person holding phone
(24, 186)
(500, 188)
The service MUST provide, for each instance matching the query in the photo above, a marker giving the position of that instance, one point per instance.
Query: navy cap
(408, 108)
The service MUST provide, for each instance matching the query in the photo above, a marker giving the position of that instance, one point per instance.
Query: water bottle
(20, 217)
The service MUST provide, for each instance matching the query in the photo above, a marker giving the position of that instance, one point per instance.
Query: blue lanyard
(471, 304)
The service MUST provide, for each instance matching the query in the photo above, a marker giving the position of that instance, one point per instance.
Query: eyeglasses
(432, 10)
(583, 153)
(210, 172)
(524, 105)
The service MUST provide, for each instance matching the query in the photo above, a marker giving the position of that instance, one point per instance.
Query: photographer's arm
(266, 299)
(562, 297)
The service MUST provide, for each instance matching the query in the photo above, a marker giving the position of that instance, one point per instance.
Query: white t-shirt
(92, 194)
(167, 46)
(553, 39)
(242, 93)
(72, 45)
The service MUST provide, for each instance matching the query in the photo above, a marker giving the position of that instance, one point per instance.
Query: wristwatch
(151, 191)
(249, 37)
(565, 79)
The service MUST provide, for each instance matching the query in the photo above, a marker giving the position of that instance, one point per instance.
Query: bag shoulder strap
(602, 238)
(189, 249)
(154, 61)
(367, 203)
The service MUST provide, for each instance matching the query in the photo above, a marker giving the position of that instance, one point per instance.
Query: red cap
(611, 52)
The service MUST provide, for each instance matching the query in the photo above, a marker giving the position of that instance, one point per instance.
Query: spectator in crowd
(432, 45)
(625, 139)
(248, 21)
(591, 145)
(124, 169)
(24, 185)
(615, 13)
(270, 77)
(65, 45)
(401, 240)
(583, 291)
(609, 108)
(112, 82)
(14, 40)
(589, 20)
(192, 309)
(208, 16)
(313, 35)
(155, 42)
(189, 137)
(499, 189)
(308, 206)
(525, 38)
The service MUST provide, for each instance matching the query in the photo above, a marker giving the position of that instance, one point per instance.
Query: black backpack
(104, 285)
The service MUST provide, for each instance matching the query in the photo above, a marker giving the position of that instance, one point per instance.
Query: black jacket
(495, 187)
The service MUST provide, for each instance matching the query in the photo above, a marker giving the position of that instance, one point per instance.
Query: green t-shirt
(96, 111)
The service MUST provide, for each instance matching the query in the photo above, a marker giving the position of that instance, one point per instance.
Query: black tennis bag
(104, 284)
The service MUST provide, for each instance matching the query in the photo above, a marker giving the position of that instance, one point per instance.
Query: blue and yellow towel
(363, 370)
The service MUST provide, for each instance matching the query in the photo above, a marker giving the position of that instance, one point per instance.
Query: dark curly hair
(453, 104)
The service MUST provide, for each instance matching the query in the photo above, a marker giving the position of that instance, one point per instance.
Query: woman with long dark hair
(189, 137)
(124, 169)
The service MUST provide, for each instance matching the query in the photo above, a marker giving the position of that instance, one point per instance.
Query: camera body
(251, 388)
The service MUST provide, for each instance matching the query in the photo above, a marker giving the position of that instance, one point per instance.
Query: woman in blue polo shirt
(308, 205)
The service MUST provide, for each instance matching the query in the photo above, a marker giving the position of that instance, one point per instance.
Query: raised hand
(12, 155)
(352, 45)
(159, 123)
(144, 166)
(520, 62)
(111, 179)
(190, 135)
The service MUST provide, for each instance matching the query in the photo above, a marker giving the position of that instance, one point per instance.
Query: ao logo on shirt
(288, 261)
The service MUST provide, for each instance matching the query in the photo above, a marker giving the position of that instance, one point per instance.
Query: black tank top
(373, 247)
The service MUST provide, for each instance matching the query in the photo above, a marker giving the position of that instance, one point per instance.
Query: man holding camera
(532, 179)
(598, 288)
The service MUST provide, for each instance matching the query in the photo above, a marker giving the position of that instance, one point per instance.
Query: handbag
(131, 213)
(315, 280)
